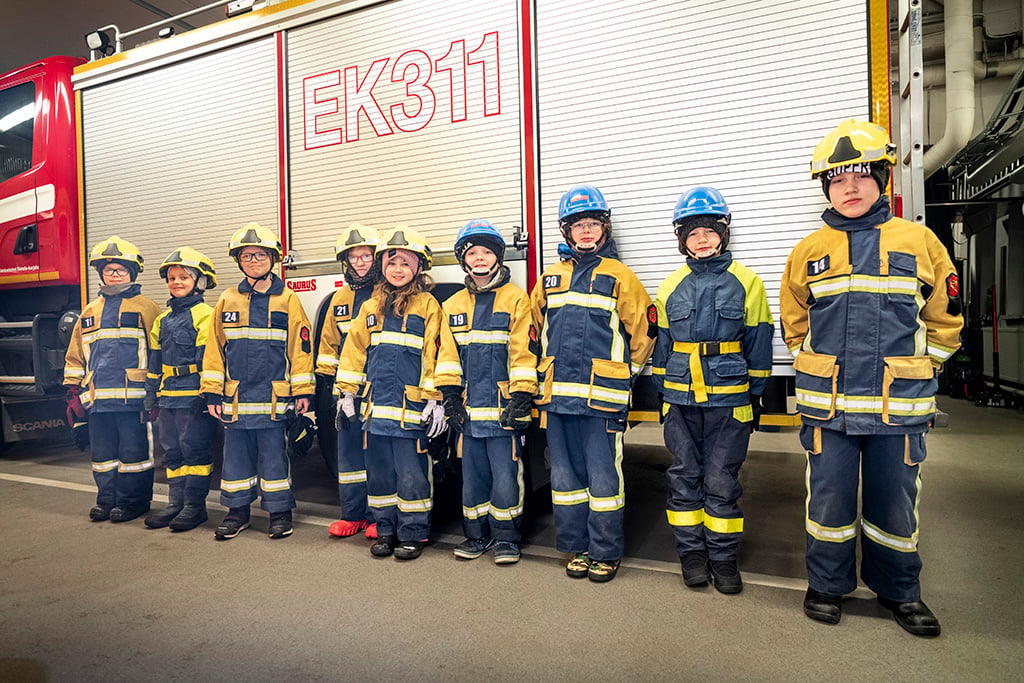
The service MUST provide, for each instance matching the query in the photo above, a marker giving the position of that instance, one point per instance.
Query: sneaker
(726, 576)
(343, 527)
(128, 513)
(578, 566)
(472, 548)
(280, 524)
(409, 550)
(384, 546)
(601, 572)
(99, 513)
(236, 521)
(695, 568)
(506, 552)
(371, 532)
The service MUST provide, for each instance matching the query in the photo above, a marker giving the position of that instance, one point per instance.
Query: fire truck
(305, 116)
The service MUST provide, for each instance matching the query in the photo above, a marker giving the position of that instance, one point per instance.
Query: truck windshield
(17, 115)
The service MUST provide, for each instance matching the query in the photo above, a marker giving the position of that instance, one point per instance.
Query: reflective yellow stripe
(445, 368)
(187, 470)
(685, 517)
(570, 298)
(382, 501)
(569, 497)
(130, 467)
(105, 466)
(865, 404)
(236, 485)
(901, 544)
(396, 338)
(481, 337)
(422, 505)
(733, 389)
(480, 414)
(723, 525)
(275, 484)
(577, 390)
(354, 477)
(870, 284)
(760, 373)
(618, 501)
(476, 512)
(327, 360)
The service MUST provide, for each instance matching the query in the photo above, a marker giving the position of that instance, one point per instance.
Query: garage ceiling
(33, 29)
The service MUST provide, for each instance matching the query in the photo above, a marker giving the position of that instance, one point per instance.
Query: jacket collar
(878, 213)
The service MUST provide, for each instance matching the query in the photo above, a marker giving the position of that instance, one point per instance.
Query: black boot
(914, 617)
(158, 519)
(725, 575)
(191, 516)
(126, 513)
(823, 606)
(695, 568)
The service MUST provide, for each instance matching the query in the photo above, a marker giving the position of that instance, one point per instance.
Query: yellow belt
(697, 349)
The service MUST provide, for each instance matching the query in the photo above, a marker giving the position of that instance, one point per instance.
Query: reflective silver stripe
(382, 501)
(135, 466)
(397, 338)
(446, 368)
(900, 543)
(105, 466)
(569, 497)
(352, 477)
(476, 512)
(275, 484)
(349, 377)
(571, 298)
(482, 337)
(236, 485)
(423, 505)
(258, 333)
(575, 390)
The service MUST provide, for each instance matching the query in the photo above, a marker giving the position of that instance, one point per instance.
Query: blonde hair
(400, 297)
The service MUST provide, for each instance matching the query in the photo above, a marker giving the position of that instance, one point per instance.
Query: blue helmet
(482, 233)
(701, 207)
(701, 201)
(582, 199)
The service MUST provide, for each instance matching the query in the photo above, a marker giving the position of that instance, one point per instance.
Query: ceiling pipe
(959, 38)
(934, 75)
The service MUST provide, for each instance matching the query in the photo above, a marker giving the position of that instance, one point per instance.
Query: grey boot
(192, 516)
(158, 519)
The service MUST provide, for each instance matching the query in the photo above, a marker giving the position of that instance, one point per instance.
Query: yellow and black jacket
(109, 349)
(258, 356)
(492, 330)
(345, 304)
(591, 311)
(714, 346)
(176, 345)
(870, 309)
(391, 361)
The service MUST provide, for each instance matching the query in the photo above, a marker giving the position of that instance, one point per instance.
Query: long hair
(398, 299)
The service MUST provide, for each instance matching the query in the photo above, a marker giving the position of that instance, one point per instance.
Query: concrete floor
(88, 602)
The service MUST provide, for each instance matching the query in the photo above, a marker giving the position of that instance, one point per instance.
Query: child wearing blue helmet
(711, 363)
(488, 393)
(592, 314)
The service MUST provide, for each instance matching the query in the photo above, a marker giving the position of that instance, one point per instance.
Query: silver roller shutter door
(183, 155)
(647, 100)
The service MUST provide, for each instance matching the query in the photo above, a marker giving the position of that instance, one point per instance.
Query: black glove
(301, 431)
(757, 408)
(199, 405)
(661, 408)
(517, 413)
(454, 407)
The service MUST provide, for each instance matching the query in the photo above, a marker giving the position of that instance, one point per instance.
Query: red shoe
(371, 532)
(344, 528)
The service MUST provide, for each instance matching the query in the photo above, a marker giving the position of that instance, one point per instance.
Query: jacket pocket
(88, 395)
(609, 385)
(546, 377)
(134, 384)
(503, 395)
(908, 390)
(230, 401)
(413, 404)
(817, 379)
(282, 393)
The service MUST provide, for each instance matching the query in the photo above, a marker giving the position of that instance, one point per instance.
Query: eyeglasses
(253, 256)
(588, 225)
(115, 272)
(362, 258)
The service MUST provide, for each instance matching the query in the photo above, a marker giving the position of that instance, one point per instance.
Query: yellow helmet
(190, 258)
(254, 235)
(355, 235)
(404, 237)
(116, 249)
(852, 142)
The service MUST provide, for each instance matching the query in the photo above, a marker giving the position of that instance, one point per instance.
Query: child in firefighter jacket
(490, 400)
(870, 310)
(711, 364)
(390, 360)
(354, 249)
(591, 311)
(176, 346)
(258, 363)
(105, 374)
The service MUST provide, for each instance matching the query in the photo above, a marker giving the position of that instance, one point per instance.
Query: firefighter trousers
(587, 489)
(352, 474)
(889, 468)
(122, 465)
(492, 487)
(708, 445)
(400, 486)
(185, 436)
(256, 459)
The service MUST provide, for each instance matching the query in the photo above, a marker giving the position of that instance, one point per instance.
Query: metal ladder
(911, 145)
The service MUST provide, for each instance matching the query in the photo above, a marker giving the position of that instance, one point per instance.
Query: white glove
(433, 419)
(346, 411)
